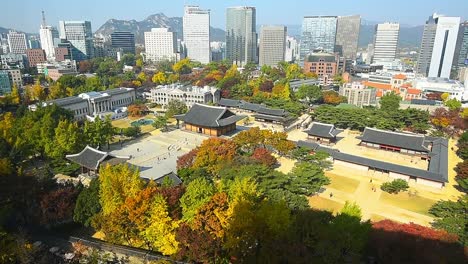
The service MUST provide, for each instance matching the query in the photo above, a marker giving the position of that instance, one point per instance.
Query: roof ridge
(396, 132)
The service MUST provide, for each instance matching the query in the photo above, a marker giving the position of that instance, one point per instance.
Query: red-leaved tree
(264, 156)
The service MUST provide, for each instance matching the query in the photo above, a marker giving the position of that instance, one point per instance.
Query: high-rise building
(272, 45)
(123, 40)
(49, 37)
(161, 44)
(241, 35)
(292, 49)
(427, 44)
(347, 36)
(5, 84)
(461, 51)
(4, 48)
(196, 23)
(17, 42)
(438, 46)
(318, 32)
(34, 43)
(385, 42)
(80, 36)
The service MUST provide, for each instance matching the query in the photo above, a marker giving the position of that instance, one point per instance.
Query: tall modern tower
(461, 51)
(272, 45)
(80, 36)
(385, 42)
(196, 24)
(17, 42)
(347, 36)
(438, 46)
(49, 38)
(318, 32)
(427, 44)
(241, 35)
(123, 40)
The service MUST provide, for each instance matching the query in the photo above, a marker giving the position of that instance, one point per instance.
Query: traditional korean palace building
(405, 143)
(91, 159)
(323, 133)
(209, 120)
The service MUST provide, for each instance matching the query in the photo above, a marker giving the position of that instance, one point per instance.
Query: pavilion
(90, 159)
(209, 120)
(323, 133)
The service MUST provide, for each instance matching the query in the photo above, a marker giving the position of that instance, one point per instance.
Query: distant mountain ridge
(153, 21)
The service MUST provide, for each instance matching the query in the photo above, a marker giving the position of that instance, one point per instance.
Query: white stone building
(190, 95)
(95, 104)
(160, 44)
(454, 88)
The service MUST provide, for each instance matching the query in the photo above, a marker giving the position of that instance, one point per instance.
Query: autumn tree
(68, 139)
(57, 206)
(183, 66)
(137, 110)
(15, 95)
(264, 157)
(331, 97)
(159, 78)
(450, 216)
(186, 161)
(214, 153)
(116, 184)
(37, 92)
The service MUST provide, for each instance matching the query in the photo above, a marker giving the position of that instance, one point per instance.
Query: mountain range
(153, 21)
(410, 36)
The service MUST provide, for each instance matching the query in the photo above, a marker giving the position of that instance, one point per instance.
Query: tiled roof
(229, 102)
(209, 116)
(400, 77)
(395, 139)
(323, 130)
(91, 158)
(273, 112)
(375, 85)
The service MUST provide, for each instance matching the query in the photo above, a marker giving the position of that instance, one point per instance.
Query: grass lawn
(325, 204)
(403, 200)
(341, 183)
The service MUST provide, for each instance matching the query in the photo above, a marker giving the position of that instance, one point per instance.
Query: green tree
(87, 204)
(351, 209)
(311, 93)
(306, 178)
(198, 192)
(453, 104)
(160, 122)
(390, 102)
(175, 107)
(395, 186)
(68, 139)
(451, 216)
(15, 96)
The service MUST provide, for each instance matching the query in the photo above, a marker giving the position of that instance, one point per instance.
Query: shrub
(395, 186)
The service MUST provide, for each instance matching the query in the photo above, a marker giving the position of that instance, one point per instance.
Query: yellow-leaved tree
(116, 184)
(159, 78)
(160, 234)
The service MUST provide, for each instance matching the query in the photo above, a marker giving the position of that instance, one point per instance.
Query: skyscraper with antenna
(49, 37)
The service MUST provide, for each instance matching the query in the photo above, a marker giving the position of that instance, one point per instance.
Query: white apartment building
(93, 104)
(358, 94)
(292, 49)
(17, 42)
(385, 42)
(445, 42)
(47, 35)
(272, 45)
(190, 95)
(161, 44)
(196, 23)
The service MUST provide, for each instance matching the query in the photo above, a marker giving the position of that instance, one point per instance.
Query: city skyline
(290, 14)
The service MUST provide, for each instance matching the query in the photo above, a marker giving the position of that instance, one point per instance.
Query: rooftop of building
(383, 86)
(323, 130)
(403, 140)
(180, 88)
(209, 116)
(92, 158)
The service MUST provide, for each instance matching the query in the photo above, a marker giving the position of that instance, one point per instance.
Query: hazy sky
(25, 15)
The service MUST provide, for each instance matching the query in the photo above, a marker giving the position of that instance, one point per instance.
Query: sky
(25, 15)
